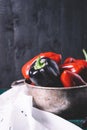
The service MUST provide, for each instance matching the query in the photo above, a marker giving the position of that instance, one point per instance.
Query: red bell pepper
(71, 79)
(26, 67)
(78, 66)
(69, 60)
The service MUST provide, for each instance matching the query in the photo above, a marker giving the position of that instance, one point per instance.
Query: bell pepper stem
(38, 64)
(85, 54)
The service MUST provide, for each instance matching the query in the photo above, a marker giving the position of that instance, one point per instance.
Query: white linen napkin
(17, 113)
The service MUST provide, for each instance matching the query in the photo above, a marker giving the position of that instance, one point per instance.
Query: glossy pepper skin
(44, 72)
(69, 60)
(78, 66)
(71, 79)
(26, 67)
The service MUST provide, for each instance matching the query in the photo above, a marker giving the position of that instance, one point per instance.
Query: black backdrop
(28, 27)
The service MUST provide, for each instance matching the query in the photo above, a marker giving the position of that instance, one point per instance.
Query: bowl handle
(18, 82)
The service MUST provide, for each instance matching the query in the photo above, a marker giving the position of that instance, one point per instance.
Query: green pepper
(44, 72)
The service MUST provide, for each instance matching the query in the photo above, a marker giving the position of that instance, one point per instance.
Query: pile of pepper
(47, 69)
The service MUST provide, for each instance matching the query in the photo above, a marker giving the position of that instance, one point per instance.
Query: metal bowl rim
(54, 88)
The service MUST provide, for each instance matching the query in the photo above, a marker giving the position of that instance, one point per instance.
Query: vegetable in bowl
(47, 70)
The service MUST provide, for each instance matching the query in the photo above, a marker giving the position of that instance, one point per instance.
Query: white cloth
(17, 113)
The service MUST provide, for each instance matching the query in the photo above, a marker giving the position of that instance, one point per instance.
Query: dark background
(28, 27)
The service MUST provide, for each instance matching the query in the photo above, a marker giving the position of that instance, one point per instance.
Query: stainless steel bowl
(68, 103)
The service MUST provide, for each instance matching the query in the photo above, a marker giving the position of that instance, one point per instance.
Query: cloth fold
(17, 113)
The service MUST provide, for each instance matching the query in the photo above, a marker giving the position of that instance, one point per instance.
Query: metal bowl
(69, 103)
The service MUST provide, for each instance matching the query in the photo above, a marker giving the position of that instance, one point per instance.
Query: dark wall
(28, 27)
